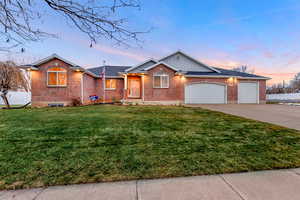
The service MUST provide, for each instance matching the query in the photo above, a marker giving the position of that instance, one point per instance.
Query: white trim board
(140, 64)
(161, 63)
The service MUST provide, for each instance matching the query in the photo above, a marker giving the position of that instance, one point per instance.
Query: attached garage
(205, 93)
(248, 92)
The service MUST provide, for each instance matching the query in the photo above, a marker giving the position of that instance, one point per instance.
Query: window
(161, 80)
(57, 76)
(110, 84)
(55, 105)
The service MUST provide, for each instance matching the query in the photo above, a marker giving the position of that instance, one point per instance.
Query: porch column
(143, 88)
(82, 88)
(125, 87)
(125, 84)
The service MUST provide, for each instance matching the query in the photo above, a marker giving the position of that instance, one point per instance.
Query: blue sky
(263, 34)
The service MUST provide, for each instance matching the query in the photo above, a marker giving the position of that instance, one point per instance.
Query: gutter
(226, 76)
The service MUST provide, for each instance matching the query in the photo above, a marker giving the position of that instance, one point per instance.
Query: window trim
(161, 81)
(110, 79)
(53, 71)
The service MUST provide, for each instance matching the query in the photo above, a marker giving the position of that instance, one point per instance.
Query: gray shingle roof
(114, 71)
(225, 72)
(109, 70)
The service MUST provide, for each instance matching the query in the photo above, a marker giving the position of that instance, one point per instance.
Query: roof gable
(35, 65)
(161, 63)
(183, 62)
(141, 66)
(53, 56)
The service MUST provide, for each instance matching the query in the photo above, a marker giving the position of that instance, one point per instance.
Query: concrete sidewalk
(263, 185)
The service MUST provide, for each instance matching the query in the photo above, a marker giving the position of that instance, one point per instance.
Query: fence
(284, 97)
(17, 98)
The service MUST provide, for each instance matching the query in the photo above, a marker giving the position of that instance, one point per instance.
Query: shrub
(76, 102)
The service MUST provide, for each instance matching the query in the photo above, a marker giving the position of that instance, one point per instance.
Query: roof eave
(44, 60)
(227, 76)
(28, 67)
(136, 66)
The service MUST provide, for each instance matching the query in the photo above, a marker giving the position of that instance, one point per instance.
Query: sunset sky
(262, 34)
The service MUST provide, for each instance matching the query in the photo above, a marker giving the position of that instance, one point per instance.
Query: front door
(134, 86)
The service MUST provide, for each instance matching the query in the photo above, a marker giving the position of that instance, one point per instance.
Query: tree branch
(97, 20)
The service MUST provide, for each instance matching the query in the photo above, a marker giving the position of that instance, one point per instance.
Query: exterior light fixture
(231, 81)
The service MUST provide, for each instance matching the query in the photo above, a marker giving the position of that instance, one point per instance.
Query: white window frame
(161, 80)
(54, 71)
(110, 84)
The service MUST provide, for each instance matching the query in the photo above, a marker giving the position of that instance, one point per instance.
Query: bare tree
(295, 83)
(244, 69)
(12, 78)
(97, 19)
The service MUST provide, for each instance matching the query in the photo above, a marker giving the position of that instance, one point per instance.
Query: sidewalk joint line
(293, 171)
(136, 190)
(38, 194)
(232, 188)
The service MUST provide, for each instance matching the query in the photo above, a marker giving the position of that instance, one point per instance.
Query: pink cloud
(119, 52)
(294, 60)
(107, 49)
(248, 47)
(268, 54)
(228, 64)
(276, 77)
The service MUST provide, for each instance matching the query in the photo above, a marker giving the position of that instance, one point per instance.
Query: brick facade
(175, 92)
(177, 83)
(42, 94)
(89, 88)
(111, 94)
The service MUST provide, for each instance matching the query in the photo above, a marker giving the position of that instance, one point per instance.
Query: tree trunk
(3, 95)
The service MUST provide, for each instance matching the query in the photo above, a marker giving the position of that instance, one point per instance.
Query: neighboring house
(174, 79)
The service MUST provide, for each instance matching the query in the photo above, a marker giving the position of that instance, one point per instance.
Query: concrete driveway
(284, 115)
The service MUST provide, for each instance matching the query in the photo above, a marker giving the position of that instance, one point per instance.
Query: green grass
(54, 146)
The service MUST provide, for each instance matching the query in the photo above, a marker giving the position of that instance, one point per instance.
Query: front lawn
(53, 146)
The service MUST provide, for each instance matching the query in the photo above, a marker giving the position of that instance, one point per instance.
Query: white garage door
(205, 93)
(248, 92)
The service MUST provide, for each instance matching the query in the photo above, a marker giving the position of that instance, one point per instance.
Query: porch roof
(110, 71)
